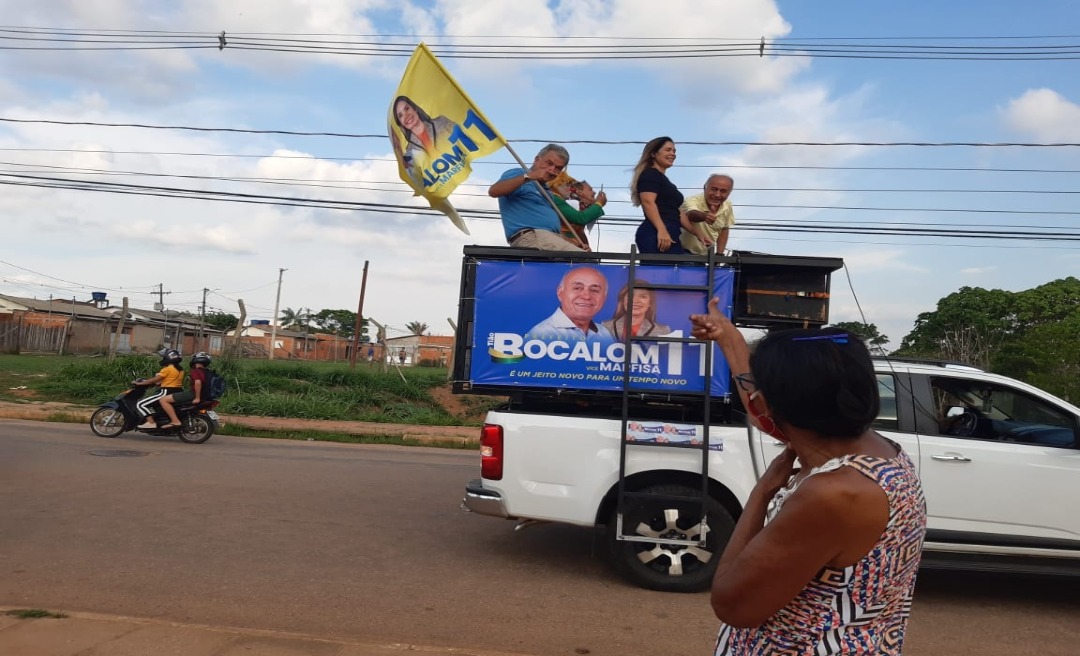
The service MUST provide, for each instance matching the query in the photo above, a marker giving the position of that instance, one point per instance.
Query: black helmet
(170, 356)
(202, 357)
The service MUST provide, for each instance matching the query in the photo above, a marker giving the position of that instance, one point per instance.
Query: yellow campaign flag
(436, 130)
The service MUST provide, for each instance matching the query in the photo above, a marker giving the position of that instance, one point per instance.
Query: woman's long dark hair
(646, 160)
(424, 118)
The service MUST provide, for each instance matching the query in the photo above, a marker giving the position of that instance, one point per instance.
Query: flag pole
(547, 197)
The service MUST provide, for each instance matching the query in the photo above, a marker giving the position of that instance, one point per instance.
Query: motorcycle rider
(199, 362)
(170, 380)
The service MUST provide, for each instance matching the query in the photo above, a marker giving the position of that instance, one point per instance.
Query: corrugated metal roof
(54, 306)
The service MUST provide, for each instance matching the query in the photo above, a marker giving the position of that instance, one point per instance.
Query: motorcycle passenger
(200, 362)
(170, 380)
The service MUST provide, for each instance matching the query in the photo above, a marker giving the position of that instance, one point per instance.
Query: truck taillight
(491, 452)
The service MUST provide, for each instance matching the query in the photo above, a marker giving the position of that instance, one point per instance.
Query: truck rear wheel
(669, 567)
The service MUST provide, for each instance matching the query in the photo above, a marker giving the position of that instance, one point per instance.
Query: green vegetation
(22, 375)
(303, 390)
(34, 613)
(65, 418)
(1030, 335)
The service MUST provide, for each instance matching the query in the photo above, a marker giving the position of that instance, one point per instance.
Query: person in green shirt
(590, 205)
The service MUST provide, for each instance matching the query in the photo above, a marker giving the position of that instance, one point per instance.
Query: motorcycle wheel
(107, 422)
(195, 429)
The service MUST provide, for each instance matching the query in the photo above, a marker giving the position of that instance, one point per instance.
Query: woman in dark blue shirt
(658, 198)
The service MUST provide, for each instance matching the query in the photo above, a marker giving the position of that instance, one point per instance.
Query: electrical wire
(620, 165)
(598, 142)
(555, 48)
(177, 192)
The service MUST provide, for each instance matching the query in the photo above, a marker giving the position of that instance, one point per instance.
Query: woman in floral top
(824, 556)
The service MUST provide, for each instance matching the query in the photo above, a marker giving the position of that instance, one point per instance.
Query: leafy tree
(1029, 335)
(416, 327)
(868, 331)
(967, 326)
(221, 320)
(339, 322)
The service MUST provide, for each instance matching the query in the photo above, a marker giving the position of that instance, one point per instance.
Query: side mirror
(955, 411)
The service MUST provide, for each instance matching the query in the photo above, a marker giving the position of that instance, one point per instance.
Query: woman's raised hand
(710, 326)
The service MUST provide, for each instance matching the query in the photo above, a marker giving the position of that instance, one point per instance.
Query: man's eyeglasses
(746, 383)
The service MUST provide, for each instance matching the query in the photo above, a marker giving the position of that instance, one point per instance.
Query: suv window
(988, 411)
(887, 418)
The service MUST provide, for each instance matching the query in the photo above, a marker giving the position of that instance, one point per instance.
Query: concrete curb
(96, 634)
(460, 435)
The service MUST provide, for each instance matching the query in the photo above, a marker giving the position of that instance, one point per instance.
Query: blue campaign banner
(561, 325)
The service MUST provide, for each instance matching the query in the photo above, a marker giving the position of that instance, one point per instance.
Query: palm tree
(416, 327)
(291, 319)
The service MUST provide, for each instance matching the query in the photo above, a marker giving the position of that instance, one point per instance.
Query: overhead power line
(397, 186)
(620, 165)
(982, 232)
(602, 142)
(505, 47)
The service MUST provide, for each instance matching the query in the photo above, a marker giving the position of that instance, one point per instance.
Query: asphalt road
(368, 543)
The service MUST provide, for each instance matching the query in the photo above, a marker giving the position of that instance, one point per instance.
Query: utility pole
(161, 297)
(359, 320)
(202, 321)
(274, 319)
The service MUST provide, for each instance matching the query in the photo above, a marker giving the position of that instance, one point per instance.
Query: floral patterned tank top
(861, 609)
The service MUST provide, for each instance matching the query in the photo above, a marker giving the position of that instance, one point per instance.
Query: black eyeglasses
(745, 383)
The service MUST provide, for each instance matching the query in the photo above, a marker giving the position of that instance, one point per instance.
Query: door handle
(951, 458)
(778, 443)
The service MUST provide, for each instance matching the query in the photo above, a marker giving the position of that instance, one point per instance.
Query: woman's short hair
(818, 380)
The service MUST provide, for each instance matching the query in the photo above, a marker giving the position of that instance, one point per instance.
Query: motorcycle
(197, 421)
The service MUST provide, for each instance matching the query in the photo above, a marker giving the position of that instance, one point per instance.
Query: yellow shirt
(171, 377)
(725, 218)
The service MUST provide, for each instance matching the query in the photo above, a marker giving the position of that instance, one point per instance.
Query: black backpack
(214, 386)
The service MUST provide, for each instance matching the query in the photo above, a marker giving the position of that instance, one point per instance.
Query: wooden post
(115, 342)
(450, 360)
(359, 320)
(236, 349)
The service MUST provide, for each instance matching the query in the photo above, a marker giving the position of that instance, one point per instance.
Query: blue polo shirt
(526, 207)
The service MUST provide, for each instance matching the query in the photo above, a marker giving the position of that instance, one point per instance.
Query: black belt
(523, 231)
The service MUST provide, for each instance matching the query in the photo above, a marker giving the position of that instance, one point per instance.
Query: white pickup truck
(999, 461)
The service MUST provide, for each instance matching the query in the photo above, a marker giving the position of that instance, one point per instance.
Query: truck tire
(670, 568)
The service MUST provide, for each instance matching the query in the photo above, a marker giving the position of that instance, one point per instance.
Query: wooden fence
(17, 336)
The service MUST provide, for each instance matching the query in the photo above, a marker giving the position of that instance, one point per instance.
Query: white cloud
(587, 23)
(975, 271)
(1045, 115)
(867, 260)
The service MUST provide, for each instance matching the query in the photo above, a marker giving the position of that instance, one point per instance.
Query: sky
(67, 243)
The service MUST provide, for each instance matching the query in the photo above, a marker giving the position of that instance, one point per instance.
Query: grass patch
(302, 390)
(34, 613)
(65, 418)
(347, 438)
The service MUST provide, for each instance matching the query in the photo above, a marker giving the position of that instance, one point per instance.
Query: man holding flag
(529, 219)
